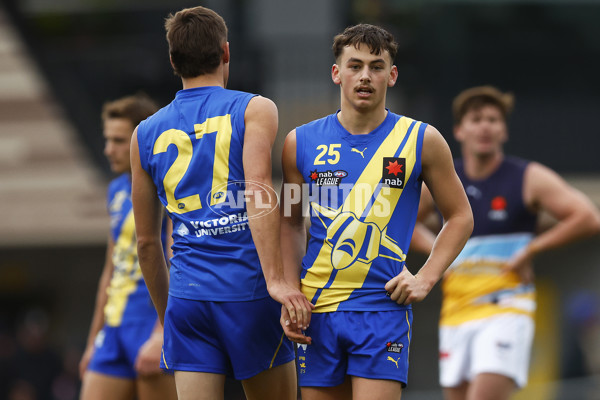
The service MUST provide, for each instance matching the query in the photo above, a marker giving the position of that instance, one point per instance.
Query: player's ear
(335, 74)
(226, 53)
(393, 76)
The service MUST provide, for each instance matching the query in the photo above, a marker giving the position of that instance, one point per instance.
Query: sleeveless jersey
(128, 297)
(192, 149)
(474, 286)
(364, 195)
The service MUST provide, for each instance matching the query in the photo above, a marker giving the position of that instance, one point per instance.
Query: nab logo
(394, 172)
(394, 347)
(327, 178)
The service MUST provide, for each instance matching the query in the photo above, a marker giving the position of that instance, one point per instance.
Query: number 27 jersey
(192, 149)
(364, 193)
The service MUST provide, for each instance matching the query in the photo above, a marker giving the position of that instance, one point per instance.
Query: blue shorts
(236, 339)
(116, 348)
(367, 344)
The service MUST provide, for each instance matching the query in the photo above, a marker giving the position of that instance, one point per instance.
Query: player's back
(193, 150)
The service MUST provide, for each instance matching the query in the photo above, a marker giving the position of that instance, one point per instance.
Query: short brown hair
(196, 37)
(135, 108)
(477, 97)
(377, 38)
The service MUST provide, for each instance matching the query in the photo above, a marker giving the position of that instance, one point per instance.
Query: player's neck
(480, 167)
(361, 123)
(214, 79)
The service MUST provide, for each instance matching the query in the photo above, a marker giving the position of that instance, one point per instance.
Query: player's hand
(298, 307)
(147, 361)
(291, 330)
(521, 264)
(406, 288)
(85, 360)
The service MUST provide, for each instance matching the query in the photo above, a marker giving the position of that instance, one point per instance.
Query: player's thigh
(339, 392)
(278, 383)
(378, 350)
(375, 389)
(456, 393)
(503, 347)
(156, 387)
(199, 385)
(97, 386)
(455, 353)
(255, 322)
(487, 386)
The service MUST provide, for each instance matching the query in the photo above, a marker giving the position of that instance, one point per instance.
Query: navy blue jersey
(497, 201)
(476, 285)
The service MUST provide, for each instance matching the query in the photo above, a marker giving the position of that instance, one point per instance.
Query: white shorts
(499, 345)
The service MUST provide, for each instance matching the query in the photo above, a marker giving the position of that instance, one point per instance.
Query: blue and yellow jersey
(192, 149)
(474, 286)
(128, 297)
(364, 195)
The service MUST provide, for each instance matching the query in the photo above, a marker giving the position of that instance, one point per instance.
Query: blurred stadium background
(60, 60)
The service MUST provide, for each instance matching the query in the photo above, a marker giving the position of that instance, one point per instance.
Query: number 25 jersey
(364, 193)
(192, 149)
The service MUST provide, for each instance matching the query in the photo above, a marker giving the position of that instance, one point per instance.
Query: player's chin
(117, 168)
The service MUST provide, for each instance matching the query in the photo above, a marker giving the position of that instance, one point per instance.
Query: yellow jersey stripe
(126, 273)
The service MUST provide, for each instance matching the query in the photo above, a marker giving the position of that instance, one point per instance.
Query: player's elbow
(465, 220)
(260, 191)
(470, 222)
(593, 220)
(145, 246)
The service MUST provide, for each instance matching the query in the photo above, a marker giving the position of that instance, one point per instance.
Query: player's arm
(261, 129)
(293, 230)
(101, 299)
(147, 361)
(147, 211)
(450, 198)
(577, 216)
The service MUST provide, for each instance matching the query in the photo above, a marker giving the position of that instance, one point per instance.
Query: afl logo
(218, 195)
(340, 174)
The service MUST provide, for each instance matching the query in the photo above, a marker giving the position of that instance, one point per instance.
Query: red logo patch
(498, 203)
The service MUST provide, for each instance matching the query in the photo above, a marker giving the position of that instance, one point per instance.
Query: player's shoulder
(231, 96)
(163, 114)
(257, 103)
(517, 162)
(407, 118)
(316, 123)
(238, 93)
